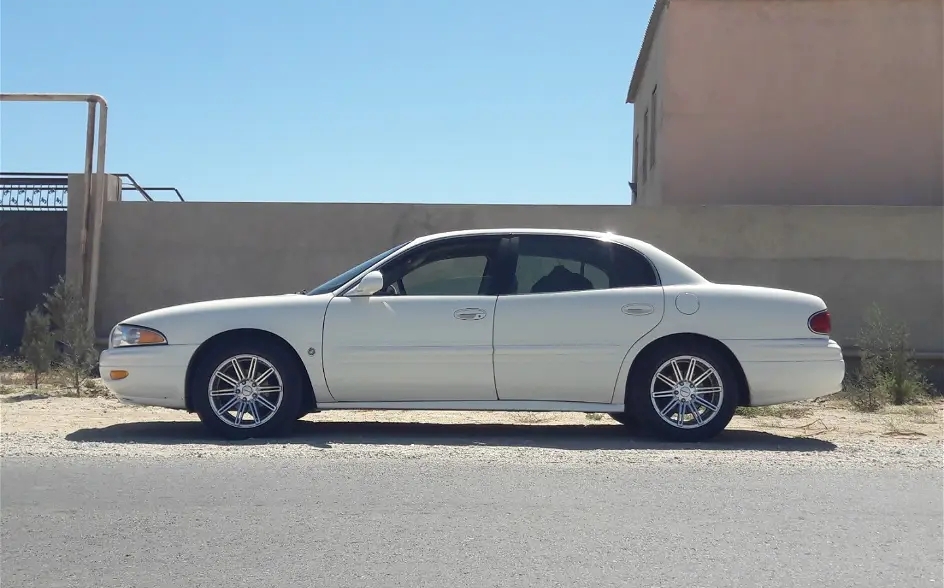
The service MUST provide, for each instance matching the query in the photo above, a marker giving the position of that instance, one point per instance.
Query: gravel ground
(807, 435)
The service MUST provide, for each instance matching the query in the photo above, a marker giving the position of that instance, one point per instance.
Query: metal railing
(146, 192)
(33, 193)
(49, 190)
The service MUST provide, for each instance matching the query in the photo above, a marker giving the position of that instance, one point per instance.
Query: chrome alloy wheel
(687, 392)
(245, 391)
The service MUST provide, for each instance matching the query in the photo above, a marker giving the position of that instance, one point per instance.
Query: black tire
(303, 410)
(286, 369)
(624, 418)
(640, 403)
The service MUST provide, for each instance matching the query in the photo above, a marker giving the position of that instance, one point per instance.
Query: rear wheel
(247, 390)
(684, 392)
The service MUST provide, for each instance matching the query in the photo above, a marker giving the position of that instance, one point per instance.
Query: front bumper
(156, 375)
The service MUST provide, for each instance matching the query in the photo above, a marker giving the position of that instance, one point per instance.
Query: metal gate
(32, 247)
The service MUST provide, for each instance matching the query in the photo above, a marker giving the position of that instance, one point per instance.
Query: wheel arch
(247, 334)
(744, 395)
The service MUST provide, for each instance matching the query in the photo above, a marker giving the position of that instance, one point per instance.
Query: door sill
(484, 405)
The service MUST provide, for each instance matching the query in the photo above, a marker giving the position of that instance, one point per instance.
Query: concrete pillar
(82, 255)
(74, 223)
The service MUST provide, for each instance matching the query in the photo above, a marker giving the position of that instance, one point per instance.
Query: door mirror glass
(370, 284)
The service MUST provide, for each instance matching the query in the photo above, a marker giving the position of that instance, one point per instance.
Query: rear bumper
(156, 374)
(789, 370)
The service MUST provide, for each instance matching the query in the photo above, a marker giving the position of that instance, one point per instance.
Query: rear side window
(631, 268)
(554, 263)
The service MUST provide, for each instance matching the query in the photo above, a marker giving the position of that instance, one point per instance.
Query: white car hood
(194, 322)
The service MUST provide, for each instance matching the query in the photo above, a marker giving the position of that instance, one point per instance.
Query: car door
(427, 336)
(564, 328)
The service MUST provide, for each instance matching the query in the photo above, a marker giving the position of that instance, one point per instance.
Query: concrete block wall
(156, 254)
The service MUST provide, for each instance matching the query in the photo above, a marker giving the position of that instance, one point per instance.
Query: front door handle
(469, 314)
(637, 309)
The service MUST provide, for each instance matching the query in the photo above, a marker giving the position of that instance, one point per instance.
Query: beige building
(790, 102)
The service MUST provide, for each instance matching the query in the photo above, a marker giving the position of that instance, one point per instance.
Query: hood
(230, 311)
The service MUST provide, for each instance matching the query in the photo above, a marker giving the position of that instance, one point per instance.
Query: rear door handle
(637, 309)
(469, 314)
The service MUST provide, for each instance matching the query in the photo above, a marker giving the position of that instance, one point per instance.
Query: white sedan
(511, 320)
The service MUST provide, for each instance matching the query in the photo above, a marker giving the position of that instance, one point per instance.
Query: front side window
(456, 267)
(551, 263)
(339, 280)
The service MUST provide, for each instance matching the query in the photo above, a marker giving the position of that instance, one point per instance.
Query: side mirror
(370, 284)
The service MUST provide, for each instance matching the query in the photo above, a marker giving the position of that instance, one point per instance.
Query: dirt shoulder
(805, 435)
(26, 412)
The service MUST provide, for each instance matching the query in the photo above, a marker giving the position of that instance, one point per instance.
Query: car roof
(531, 231)
(642, 246)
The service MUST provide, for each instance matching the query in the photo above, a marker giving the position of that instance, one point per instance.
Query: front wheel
(684, 393)
(623, 418)
(247, 390)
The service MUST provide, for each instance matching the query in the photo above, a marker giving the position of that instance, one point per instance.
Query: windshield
(338, 281)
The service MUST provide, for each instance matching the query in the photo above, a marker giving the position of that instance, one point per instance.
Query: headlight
(127, 336)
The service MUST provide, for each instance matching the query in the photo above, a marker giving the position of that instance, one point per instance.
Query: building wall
(156, 254)
(802, 102)
(647, 168)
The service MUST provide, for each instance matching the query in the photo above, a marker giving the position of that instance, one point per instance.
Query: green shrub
(39, 344)
(888, 372)
(69, 313)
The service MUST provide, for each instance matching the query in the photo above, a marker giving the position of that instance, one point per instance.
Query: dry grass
(895, 426)
(836, 418)
(780, 411)
(16, 379)
(923, 414)
(929, 412)
(532, 418)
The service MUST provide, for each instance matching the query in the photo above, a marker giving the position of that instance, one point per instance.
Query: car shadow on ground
(325, 434)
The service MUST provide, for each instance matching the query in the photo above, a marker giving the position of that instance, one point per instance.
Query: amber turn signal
(118, 374)
(149, 338)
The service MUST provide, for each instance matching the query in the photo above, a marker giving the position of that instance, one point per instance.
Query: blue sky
(460, 101)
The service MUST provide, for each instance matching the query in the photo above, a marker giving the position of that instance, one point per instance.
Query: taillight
(820, 323)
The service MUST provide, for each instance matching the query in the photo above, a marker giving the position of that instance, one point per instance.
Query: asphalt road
(448, 523)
